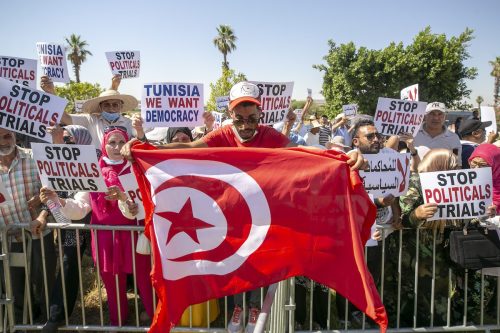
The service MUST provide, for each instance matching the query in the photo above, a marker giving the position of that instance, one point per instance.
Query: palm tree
(496, 74)
(225, 42)
(479, 100)
(77, 53)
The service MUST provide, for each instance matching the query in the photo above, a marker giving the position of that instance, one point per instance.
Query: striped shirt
(325, 134)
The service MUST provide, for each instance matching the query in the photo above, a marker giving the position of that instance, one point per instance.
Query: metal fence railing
(421, 291)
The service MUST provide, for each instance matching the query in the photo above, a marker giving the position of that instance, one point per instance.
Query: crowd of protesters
(434, 148)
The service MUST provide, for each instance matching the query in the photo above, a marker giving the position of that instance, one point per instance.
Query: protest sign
(350, 110)
(131, 188)
(72, 168)
(460, 194)
(275, 99)
(488, 114)
(79, 106)
(299, 112)
(388, 173)
(5, 198)
(309, 92)
(29, 111)
(222, 103)
(172, 104)
(410, 93)
(19, 70)
(218, 119)
(53, 61)
(125, 63)
(394, 116)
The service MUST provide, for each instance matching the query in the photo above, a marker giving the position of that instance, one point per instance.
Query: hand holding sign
(426, 211)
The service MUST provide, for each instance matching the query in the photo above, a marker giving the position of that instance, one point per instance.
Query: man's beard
(7, 151)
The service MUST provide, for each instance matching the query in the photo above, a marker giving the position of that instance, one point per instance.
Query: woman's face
(478, 162)
(113, 146)
(68, 138)
(181, 137)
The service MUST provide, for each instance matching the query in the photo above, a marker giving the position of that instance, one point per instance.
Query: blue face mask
(111, 117)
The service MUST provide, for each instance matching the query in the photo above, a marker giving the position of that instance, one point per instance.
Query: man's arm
(126, 150)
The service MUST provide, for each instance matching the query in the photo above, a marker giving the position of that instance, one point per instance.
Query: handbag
(143, 246)
(475, 249)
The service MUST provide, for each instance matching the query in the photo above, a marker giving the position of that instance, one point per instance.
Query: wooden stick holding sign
(71, 168)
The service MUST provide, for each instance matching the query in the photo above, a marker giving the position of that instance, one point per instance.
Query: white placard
(350, 110)
(131, 188)
(53, 61)
(29, 111)
(71, 168)
(275, 99)
(309, 92)
(410, 93)
(79, 105)
(19, 70)
(125, 63)
(218, 119)
(488, 114)
(388, 173)
(395, 116)
(222, 103)
(460, 194)
(5, 197)
(299, 112)
(172, 104)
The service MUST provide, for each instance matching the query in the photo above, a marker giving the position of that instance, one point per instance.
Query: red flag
(228, 220)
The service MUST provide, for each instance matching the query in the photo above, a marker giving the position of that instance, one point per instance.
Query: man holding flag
(223, 221)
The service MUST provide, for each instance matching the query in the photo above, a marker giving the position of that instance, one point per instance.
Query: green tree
(77, 53)
(495, 72)
(225, 42)
(223, 85)
(479, 100)
(360, 75)
(78, 91)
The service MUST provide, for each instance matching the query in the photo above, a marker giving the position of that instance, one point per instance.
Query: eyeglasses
(372, 136)
(68, 139)
(108, 105)
(112, 128)
(249, 121)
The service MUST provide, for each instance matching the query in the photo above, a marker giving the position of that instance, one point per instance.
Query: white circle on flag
(243, 183)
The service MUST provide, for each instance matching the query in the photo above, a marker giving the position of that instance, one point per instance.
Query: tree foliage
(225, 41)
(223, 85)
(495, 72)
(77, 53)
(77, 91)
(360, 75)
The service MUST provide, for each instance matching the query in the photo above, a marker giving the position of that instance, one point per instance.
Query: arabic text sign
(394, 116)
(222, 103)
(460, 194)
(53, 61)
(131, 188)
(125, 63)
(71, 168)
(19, 70)
(5, 197)
(28, 111)
(350, 110)
(410, 93)
(172, 104)
(388, 173)
(275, 99)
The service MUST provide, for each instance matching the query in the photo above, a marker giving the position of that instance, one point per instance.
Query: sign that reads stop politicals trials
(19, 70)
(388, 173)
(53, 61)
(125, 63)
(275, 99)
(29, 111)
(395, 116)
(131, 188)
(72, 168)
(172, 104)
(460, 194)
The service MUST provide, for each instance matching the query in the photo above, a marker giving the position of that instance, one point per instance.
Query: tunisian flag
(227, 220)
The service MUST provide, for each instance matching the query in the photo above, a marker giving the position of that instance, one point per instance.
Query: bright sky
(277, 40)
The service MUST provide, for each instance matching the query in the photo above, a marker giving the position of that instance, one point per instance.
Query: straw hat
(92, 105)
(339, 141)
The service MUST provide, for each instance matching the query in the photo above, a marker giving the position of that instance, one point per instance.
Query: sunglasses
(68, 139)
(241, 121)
(112, 128)
(372, 136)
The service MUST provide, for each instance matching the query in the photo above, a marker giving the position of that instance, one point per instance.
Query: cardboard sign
(218, 119)
(488, 114)
(53, 61)
(350, 110)
(172, 104)
(222, 103)
(394, 116)
(71, 168)
(388, 173)
(5, 198)
(410, 93)
(131, 188)
(275, 99)
(460, 194)
(125, 63)
(19, 70)
(29, 111)
(79, 106)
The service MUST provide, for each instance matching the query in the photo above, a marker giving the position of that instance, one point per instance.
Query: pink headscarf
(491, 154)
